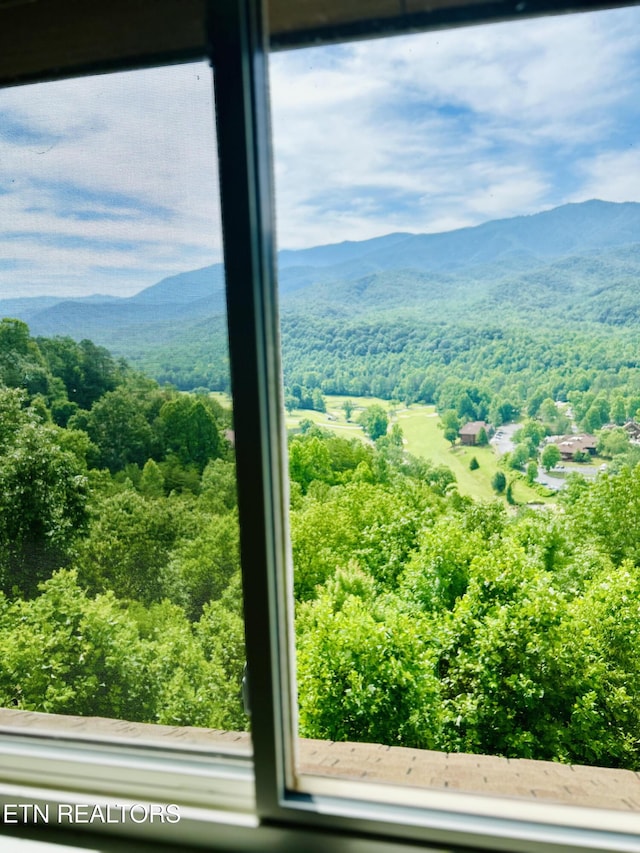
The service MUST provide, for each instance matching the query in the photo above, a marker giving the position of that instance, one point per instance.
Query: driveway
(551, 482)
(502, 440)
(503, 443)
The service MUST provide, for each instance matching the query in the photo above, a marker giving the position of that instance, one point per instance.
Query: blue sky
(109, 184)
(439, 131)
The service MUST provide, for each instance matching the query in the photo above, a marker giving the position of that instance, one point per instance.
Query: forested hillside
(423, 618)
(543, 302)
(118, 541)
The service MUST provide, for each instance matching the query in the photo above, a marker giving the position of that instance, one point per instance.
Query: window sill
(541, 781)
(122, 731)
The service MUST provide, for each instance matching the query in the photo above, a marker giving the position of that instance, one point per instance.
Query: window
(347, 815)
(109, 183)
(422, 622)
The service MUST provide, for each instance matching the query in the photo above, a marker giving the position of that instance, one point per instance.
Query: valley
(436, 606)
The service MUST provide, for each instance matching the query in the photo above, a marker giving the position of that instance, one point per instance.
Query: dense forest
(119, 561)
(424, 618)
(514, 311)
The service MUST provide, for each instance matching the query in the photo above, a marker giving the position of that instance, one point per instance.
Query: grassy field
(221, 397)
(423, 438)
(334, 418)
(339, 425)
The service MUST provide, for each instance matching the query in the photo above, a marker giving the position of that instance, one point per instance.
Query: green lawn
(336, 421)
(424, 438)
(221, 397)
(335, 403)
(334, 418)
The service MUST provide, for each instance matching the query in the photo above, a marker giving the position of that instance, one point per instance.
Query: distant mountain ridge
(577, 259)
(568, 230)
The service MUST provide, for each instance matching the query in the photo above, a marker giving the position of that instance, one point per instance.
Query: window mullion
(239, 58)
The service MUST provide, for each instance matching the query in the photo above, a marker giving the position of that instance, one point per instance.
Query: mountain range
(579, 262)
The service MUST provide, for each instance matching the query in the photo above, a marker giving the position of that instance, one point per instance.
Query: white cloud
(416, 133)
(147, 136)
(470, 124)
(614, 175)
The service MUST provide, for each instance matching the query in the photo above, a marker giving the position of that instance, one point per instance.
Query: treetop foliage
(424, 618)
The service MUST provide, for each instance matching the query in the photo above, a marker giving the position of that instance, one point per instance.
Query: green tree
(205, 565)
(450, 423)
(318, 401)
(376, 525)
(509, 682)
(65, 653)
(190, 430)
(609, 513)
(219, 491)
(499, 482)
(365, 671)
(437, 573)
(502, 411)
(519, 456)
(618, 410)
(347, 407)
(151, 481)
(86, 371)
(374, 421)
(532, 472)
(532, 430)
(119, 429)
(473, 464)
(548, 411)
(550, 456)
(220, 632)
(21, 362)
(309, 460)
(597, 415)
(613, 442)
(43, 496)
(129, 543)
(179, 478)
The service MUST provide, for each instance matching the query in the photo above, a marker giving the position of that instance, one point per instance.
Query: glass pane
(459, 223)
(119, 563)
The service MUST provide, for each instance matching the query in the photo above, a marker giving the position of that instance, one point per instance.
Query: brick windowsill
(542, 781)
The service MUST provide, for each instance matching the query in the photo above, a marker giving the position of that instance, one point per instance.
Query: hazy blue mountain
(336, 253)
(186, 287)
(522, 241)
(24, 308)
(576, 263)
(175, 299)
(99, 320)
(27, 307)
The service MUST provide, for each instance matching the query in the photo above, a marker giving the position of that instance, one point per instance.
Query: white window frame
(235, 803)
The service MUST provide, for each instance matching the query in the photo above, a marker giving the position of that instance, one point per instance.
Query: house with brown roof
(469, 432)
(633, 431)
(569, 444)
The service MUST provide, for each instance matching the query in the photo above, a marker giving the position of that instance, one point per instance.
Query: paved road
(586, 472)
(503, 438)
(503, 443)
(555, 483)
